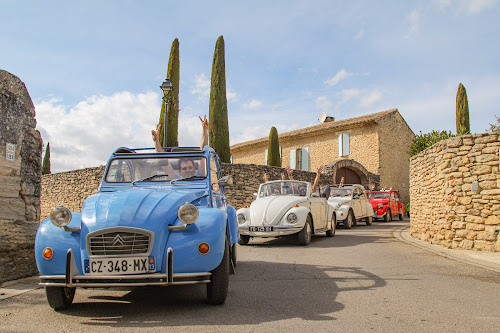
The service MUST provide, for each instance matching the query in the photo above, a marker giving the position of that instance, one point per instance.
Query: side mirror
(255, 194)
(226, 181)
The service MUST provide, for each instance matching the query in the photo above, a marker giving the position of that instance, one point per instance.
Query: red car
(386, 204)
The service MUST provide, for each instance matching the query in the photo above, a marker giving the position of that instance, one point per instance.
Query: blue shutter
(293, 158)
(305, 159)
(340, 145)
(345, 144)
(265, 163)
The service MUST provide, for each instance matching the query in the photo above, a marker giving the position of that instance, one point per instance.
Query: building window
(344, 144)
(265, 156)
(299, 159)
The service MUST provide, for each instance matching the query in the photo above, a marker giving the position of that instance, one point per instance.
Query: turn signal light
(296, 206)
(245, 206)
(48, 253)
(203, 248)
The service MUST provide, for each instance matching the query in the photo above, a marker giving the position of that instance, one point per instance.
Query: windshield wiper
(187, 178)
(149, 178)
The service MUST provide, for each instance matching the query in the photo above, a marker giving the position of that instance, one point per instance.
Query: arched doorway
(350, 177)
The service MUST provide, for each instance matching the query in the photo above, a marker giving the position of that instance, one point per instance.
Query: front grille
(119, 243)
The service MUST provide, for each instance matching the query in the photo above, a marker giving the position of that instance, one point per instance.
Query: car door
(393, 205)
(363, 200)
(318, 210)
(356, 203)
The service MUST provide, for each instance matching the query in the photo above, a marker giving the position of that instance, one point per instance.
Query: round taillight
(245, 206)
(48, 253)
(203, 248)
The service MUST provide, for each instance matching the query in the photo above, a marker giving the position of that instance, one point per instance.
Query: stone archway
(353, 172)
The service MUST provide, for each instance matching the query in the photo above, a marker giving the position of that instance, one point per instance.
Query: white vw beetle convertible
(286, 207)
(351, 204)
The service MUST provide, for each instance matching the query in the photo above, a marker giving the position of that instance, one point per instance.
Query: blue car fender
(232, 221)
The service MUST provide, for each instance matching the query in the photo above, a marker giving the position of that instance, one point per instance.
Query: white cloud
(324, 104)
(468, 6)
(413, 20)
(341, 75)
(348, 94)
(231, 95)
(201, 86)
(253, 104)
(477, 6)
(360, 34)
(370, 99)
(86, 134)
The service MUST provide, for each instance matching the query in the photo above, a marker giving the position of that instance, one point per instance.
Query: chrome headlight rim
(60, 216)
(292, 218)
(188, 213)
(242, 218)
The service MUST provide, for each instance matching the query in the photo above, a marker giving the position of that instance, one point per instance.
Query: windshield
(155, 169)
(340, 192)
(283, 188)
(379, 195)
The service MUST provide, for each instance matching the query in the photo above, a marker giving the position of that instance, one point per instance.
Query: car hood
(338, 200)
(375, 202)
(270, 210)
(139, 208)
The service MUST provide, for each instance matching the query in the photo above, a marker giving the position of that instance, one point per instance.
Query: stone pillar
(20, 173)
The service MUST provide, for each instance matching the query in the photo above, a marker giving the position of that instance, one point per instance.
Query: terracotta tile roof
(325, 127)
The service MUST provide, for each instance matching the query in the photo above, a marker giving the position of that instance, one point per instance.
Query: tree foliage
(273, 149)
(495, 126)
(218, 125)
(46, 161)
(423, 141)
(462, 112)
(173, 107)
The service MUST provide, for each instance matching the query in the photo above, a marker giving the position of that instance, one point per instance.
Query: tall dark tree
(218, 127)
(46, 161)
(273, 149)
(463, 126)
(173, 108)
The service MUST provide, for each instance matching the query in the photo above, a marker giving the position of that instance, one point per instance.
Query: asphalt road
(361, 280)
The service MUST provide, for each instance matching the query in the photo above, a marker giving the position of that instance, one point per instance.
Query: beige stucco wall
(395, 138)
(445, 209)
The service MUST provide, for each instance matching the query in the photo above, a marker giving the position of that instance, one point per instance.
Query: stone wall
(73, 187)
(20, 172)
(455, 193)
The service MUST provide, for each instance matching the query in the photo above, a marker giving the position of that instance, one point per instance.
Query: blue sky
(93, 68)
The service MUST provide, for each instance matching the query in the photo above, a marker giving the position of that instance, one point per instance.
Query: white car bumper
(276, 232)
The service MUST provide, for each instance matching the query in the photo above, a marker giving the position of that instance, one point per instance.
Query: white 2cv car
(286, 207)
(351, 204)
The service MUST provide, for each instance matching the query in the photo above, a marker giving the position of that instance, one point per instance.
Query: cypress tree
(218, 125)
(173, 108)
(273, 149)
(46, 161)
(462, 113)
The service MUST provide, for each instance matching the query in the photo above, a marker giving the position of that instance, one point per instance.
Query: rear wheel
(368, 220)
(305, 234)
(60, 297)
(349, 221)
(333, 226)
(234, 256)
(401, 216)
(244, 239)
(386, 216)
(219, 280)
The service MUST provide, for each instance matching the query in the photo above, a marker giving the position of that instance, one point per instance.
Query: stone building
(371, 149)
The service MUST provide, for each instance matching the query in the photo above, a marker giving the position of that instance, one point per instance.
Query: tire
(60, 297)
(368, 220)
(305, 234)
(401, 216)
(348, 222)
(219, 280)
(244, 239)
(386, 216)
(390, 214)
(331, 232)
(234, 254)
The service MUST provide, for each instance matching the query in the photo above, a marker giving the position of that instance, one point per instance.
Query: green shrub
(423, 141)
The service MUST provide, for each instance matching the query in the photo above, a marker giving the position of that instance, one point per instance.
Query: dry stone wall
(20, 172)
(73, 187)
(455, 193)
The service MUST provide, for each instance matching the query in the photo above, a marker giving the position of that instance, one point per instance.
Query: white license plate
(260, 228)
(119, 266)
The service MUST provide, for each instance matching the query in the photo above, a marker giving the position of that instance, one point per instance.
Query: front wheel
(60, 297)
(401, 216)
(244, 239)
(368, 220)
(386, 216)
(305, 234)
(333, 226)
(349, 221)
(219, 280)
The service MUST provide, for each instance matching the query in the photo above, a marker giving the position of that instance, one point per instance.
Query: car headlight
(380, 205)
(242, 218)
(60, 216)
(188, 213)
(292, 218)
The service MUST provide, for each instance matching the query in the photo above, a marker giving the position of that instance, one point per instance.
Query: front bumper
(278, 231)
(73, 279)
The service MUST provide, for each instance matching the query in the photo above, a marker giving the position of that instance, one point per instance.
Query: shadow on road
(260, 292)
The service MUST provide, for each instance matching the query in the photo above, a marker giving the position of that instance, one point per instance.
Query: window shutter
(340, 145)
(265, 159)
(305, 159)
(345, 144)
(293, 158)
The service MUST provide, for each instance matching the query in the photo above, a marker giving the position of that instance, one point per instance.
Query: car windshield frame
(133, 169)
(282, 188)
(345, 192)
(379, 195)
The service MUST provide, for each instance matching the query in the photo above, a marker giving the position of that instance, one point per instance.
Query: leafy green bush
(423, 141)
